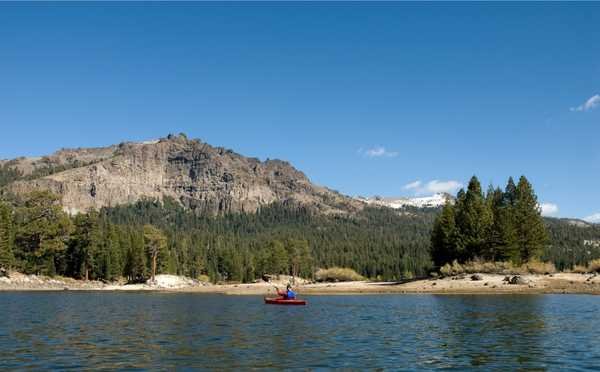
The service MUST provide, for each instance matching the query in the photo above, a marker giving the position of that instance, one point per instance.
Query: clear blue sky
(364, 98)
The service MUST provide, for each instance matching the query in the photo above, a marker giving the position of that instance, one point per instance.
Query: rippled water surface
(183, 331)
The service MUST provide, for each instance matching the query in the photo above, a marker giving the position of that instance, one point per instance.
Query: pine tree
(84, 244)
(135, 261)
(508, 223)
(494, 203)
(530, 230)
(459, 240)
(473, 220)
(155, 243)
(443, 237)
(42, 231)
(114, 261)
(7, 259)
(501, 238)
(510, 193)
(278, 258)
(299, 255)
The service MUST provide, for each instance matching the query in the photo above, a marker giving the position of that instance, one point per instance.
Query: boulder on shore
(172, 281)
(518, 280)
(476, 277)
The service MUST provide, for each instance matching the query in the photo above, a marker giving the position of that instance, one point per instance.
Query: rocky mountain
(434, 201)
(31, 167)
(199, 176)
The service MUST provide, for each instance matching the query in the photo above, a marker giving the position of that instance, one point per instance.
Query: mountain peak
(195, 174)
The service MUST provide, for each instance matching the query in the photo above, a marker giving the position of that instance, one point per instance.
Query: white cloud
(378, 152)
(412, 185)
(549, 209)
(436, 186)
(433, 187)
(590, 104)
(594, 218)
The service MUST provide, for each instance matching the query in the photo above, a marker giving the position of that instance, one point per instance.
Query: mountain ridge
(197, 175)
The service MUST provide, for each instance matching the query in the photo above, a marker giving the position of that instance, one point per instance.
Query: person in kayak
(288, 294)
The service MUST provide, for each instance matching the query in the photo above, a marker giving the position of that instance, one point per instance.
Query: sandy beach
(489, 284)
(560, 283)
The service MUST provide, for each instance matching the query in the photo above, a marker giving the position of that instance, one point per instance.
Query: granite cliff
(199, 176)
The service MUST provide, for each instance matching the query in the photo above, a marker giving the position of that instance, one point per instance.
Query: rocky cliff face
(197, 175)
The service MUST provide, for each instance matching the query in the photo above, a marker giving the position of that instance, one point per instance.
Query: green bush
(501, 267)
(337, 274)
(538, 267)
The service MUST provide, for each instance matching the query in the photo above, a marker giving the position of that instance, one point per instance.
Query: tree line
(500, 225)
(567, 246)
(134, 241)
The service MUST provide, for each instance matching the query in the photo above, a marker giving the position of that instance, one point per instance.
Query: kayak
(283, 301)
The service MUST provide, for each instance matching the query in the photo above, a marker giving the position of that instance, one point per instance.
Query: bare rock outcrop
(198, 176)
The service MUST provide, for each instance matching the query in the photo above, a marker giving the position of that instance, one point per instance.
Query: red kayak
(283, 301)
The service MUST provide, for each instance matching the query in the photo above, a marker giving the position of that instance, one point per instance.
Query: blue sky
(365, 98)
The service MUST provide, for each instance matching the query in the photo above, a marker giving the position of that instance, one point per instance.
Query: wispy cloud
(433, 187)
(377, 152)
(412, 185)
(590, 104)
(594, 218)
(549, 209)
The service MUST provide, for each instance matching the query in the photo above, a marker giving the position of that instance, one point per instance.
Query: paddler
(288, 294)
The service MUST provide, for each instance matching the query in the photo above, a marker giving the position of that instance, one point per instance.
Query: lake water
(78, 330)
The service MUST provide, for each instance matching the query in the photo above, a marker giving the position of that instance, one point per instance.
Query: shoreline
(487, 284)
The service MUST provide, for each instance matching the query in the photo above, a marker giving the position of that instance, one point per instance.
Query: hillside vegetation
(36, 236)
(378, 243)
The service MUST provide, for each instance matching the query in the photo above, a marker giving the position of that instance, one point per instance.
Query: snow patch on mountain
(433, 201)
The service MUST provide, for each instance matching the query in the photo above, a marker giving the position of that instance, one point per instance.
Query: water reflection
(172, 331)
(492, 330)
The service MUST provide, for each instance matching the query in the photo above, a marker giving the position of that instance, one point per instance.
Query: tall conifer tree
(502, 236)
(510, 193)
(155, 243)
(473, 221)
(84, 244)
(42, 231)
(443, 237)
(530, 229)
(7, 259)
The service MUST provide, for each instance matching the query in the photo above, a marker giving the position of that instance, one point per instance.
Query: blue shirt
(291, 294)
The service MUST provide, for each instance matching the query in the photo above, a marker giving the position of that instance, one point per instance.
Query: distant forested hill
(378, 242)
(572, 242)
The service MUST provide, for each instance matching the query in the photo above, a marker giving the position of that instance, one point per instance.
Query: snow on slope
(434, 201)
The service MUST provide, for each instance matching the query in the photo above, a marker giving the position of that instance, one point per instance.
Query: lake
(75, 330)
